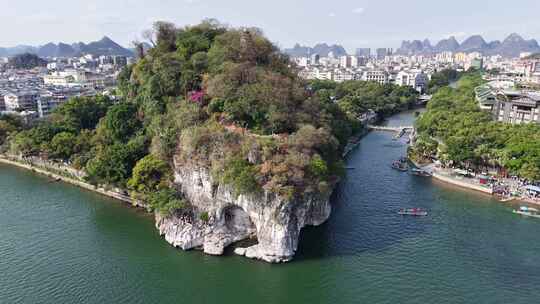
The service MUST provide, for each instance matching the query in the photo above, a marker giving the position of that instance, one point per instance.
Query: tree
(166, 201)
(150, 174)
(120, 123)
(113, 164)
(62, 146)
(82, 112)
(8, 125)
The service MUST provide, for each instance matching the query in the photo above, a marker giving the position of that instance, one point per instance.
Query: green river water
(61, 244)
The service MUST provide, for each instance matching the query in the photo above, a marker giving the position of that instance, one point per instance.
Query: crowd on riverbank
(503, 188)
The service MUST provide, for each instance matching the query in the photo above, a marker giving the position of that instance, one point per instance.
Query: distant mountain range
(512, 46)
(322, 49)
(105, 46)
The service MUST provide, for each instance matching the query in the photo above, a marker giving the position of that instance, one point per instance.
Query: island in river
(214, 132)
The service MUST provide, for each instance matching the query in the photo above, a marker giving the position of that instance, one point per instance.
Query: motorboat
(403, 167)
(413, 212)
(527, 211)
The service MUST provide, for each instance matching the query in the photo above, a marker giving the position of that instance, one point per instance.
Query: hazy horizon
(349, 23)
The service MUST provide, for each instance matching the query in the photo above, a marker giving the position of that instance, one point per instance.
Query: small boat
(420, 172)
(413, 212)
(400, 166)
(527, 211)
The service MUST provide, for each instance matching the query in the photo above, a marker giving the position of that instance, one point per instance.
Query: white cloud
(332, 15)
(358, 10)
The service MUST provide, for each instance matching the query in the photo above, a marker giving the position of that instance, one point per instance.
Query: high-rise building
(345, 61)
(383, 52)
(349, 61)
(315, 58)
(363, 52)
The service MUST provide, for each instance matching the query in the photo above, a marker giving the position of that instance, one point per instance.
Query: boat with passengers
(413, 212)
(527, 211)
(401, 164)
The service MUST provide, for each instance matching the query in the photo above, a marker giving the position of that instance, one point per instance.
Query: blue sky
(352, 23)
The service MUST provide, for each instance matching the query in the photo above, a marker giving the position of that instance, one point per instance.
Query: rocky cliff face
(226, 219)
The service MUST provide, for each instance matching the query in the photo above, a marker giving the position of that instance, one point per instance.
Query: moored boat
(420, 172)
(400, 166)
(527, 211)
(413, 212)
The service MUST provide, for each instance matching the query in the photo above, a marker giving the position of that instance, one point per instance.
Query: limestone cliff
(275, 223)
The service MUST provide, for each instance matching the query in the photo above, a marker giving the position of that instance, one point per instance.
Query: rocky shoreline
(219, 219)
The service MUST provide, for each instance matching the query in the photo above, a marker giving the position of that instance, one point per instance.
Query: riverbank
(79, 183)
(354, 142)
(464, 183)
(445, 176)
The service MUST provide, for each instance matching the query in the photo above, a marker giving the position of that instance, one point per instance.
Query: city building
(509, 105)
(348, 61)
(363, 52)
(414, 79)
(532, 71)
(2, 102)
(48, 102)
(315, 59)
(56, 79)
(517, 107)
(379, 76)
(22, 100)
(383, 52)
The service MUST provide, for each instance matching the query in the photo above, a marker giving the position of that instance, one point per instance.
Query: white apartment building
(348, 61)
(341, 75)
(379, 76)
(414, 79)
(48, 102)
(446, 57)
(25, 100)
(532, 71)
(58, 80)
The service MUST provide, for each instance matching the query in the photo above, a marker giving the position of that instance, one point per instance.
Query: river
(60, 244)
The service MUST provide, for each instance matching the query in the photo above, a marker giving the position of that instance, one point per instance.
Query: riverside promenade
(465, 182)
(71, 180)
(516, 193)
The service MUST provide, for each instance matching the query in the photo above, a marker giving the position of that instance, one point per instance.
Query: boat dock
(401, 130)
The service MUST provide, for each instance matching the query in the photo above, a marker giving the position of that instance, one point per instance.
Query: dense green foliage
(166, 201)
(26, 61)
(149, 175)
(241, 175)
(8, 124)
(457, 131)
(442, 79)
(357, 97)
(251, 111)
(215, 97)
